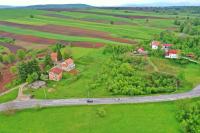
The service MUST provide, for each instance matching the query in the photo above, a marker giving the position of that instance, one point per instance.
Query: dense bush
(117, 49)
(25, 69)
(124, 76)
(189, 117)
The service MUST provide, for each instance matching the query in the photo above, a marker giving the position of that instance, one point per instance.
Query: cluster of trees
(188, 26)
(28, 71)
(62, 51)
(10, 57)
(187, 44)
(189, 117)
(124, 74)
(117, 49)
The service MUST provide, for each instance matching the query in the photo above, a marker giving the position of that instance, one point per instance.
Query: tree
(6, 59)
(112, 22)
(21, 54)
(1, 58)
(66, 52)
(25, 69)
(59, 55)
(13, 69)
(12, 57)
(31, 16)
(32, 77)
(48, 61)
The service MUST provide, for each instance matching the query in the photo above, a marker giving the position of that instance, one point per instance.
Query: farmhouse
(155, 44)
(142, 51)
(68, 65)
(173, 54)
(55, 74)
(54, 57)
(166, 47)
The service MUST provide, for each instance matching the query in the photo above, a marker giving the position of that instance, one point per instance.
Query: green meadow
(139, 118)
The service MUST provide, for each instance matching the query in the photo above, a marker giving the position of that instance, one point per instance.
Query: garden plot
(68, 30)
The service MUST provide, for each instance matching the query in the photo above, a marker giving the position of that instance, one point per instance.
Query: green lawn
(18, 13)
(8, 97)
(136, 118)
(88, 63)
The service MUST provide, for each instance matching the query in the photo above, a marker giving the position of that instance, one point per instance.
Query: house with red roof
(68, 65)
(173, 54)
(54, 57)
(55, 74)
(142, 51)
(155, 44)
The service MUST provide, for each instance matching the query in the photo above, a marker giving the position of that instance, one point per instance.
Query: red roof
(167, 45)
(56, 70)
(54, 56)
(141, 49)
(69, 61)
(172, 52)
(156, 43)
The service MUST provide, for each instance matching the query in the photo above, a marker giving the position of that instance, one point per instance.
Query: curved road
(83, 101)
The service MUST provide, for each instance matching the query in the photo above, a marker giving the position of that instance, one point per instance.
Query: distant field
(137, 118)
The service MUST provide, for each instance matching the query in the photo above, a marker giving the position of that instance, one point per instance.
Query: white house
(173, 54)
(68, 65)
(155, 44)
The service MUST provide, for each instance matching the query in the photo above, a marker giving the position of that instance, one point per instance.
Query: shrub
(101, 112)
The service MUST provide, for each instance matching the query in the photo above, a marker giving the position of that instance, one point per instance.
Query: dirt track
(68, 30)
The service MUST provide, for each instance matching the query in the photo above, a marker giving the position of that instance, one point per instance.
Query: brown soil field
(27, 39)
(30, 45)
(68, 30)
(13, 48)
(85, 44)
(7, 77)
(123, 16)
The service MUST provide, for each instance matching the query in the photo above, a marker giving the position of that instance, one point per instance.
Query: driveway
(97, 101)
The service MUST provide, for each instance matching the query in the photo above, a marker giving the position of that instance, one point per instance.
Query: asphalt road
(96, 101)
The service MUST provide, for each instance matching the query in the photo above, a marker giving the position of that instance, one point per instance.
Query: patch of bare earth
(28, 38)
(7, 77)
(30, 45)
(45, 41)
(123, 16)
(68, 30)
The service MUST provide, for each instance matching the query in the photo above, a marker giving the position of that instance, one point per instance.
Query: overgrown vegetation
(189, 116)
(124, 74)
